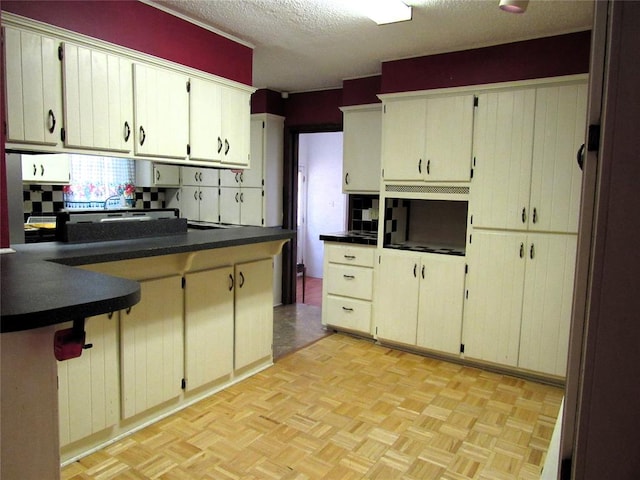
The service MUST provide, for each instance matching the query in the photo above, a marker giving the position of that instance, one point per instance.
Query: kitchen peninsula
(204, 321)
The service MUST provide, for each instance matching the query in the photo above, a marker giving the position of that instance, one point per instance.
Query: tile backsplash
(50, 199)
(363, 213)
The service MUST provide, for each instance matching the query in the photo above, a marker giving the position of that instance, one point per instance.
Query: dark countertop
(39, 288)
(361, 238)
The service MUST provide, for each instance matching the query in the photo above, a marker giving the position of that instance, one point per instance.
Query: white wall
(326, 204)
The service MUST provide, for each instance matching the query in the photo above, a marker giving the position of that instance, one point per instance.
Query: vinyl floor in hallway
(346, 408)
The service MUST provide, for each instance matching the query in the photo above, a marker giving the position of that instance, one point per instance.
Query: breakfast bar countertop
(39, 288)
(352, 236)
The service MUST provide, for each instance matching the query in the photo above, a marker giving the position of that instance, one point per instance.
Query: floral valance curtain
(96, 178)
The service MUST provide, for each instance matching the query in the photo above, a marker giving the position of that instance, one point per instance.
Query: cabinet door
(166, 175)
(254, 312)
(491, 327)
(231, 177)
(403, 127)
(208, 326)
(209, 204)
(548, 296)
(348, 313)
(88, 389)
(33, 88)
(47, 168)
(98, 104)
(230, 205)
(448, 138)
(254, 176)
(397, 310)
(556, 178)
(503, 141)
(251, 200)
(152, 346)
(441, 302)
(236, 118)
(361, 150)
(205, 131)
(189, 201)
(161, 112)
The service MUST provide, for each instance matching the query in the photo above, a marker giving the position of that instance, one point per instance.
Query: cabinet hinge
(466, 294)
(462, 348)
(219, 219)
(263, 124)
(60, 52)
(376, 331)
(188, 86)
(378, 259)
(263, 193)
(475, 100)
(383, 173)
(184, 282)
(474, 161)
(262, 222)
(263, 182)
(63, 134)
(593, 138)
(471, 174)
(188, 149)
(466, 268)
(384, 109)
(183, 384)
(471, 219)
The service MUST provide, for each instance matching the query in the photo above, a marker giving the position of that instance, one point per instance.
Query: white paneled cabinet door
(98, 103)
(448, 138)
(491, 326)
(546, 309)
(397, 310)
(503, 141)
(88, 389)
(236, 118)
(361, 149)
(205, 130)
(33, 88)
(209, 204)
(251, 206)
(254, 312)
(254, 176)
(441, 303)
(152, 346)
(46, 168)
(161, 112)
(230, 205)
(403, 127)
(556, 178)
(208, 326)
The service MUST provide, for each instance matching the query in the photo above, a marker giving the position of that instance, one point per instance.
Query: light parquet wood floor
(345, 408)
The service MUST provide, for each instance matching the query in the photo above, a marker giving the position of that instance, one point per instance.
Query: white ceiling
(302, 45)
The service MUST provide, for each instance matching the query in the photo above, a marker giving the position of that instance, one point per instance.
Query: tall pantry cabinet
(521, 247)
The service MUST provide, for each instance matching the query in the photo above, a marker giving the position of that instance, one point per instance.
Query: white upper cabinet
(48, 168)
(362, 128)
(33, 88)
(525, 173)
(161, 112)
(428, 139)
(236, 118)
(205, 131)
(98, 99)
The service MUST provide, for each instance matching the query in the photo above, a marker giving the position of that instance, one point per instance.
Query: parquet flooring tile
(346, 409)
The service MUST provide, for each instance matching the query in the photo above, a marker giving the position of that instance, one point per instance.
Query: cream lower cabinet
(241, 206)
(208, 326)
(88, 386)
(422, 301)
(253, 312)
(519, 295)
(152, 346)
(348, 287)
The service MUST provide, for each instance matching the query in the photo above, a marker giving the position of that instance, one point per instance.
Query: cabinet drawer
(348, 313)
(350, 255)
(356, 282)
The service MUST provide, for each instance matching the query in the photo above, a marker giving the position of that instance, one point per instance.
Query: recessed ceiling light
(514, 6)
(388, 11)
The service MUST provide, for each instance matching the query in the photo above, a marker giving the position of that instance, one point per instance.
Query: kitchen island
(40, 290)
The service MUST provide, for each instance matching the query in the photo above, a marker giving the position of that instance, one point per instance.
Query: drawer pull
(350, 257)
(347, 309)
(349, 277)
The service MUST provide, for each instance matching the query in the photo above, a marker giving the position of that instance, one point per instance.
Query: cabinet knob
(127, 131)
(51, 120)
(143, 135)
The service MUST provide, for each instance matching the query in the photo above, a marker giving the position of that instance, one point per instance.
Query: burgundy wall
(267, 101)
(138, 26)
(361, 91)
(539, 58)
(4, 214)
(314, 108)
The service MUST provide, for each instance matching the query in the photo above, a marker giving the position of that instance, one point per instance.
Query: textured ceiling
(302, 45)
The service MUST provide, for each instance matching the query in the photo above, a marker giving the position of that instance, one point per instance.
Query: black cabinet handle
(200, 176)
(230, 282)
(580, 157)
(242, 176)
(41, 170)
(415, 270)
(524, 214)
(531, 252)
(157, 175)
(420, 166)
(200, 195)
(237, 178)
(127, 131)
(52, 121)
(35, 170)
(241, 197)
(347, 309)
(219, 144)
(535, 215)
(428, 167)
(522, 250)
(143, 135)
(226, 146)
(423, 272)
(237, 197)
(178, 195)
(195, 195)
(350, 257)
(346, 178)
(241, 279)
(349, 277)
(87, 346)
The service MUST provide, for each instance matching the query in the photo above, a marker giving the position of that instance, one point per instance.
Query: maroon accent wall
(314, 108)
(4, 213)
(539, 58)
(361, 91)
(267, 101)
(135, 25)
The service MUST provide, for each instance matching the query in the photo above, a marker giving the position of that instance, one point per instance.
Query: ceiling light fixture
(514, 6)
(388, 11)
